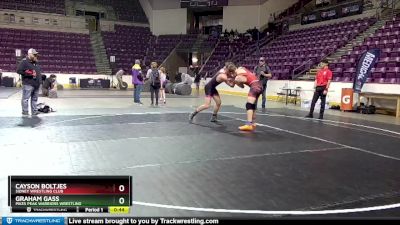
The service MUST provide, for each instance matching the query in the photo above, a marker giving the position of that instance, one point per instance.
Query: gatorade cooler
(347, 99)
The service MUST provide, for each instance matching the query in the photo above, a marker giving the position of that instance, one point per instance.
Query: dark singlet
(211, 87)
(213, 82)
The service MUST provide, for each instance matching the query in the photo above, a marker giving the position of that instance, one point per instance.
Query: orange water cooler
(347, 99)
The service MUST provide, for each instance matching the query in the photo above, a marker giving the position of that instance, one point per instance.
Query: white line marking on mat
(321, 139)
(324, 121)
(263, 125)
(220, 159)
(264, 212)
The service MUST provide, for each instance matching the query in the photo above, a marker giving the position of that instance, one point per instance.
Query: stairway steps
(101, 58)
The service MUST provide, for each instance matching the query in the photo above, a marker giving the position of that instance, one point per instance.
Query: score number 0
(121, 200)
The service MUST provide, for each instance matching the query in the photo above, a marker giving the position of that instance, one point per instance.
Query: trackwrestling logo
(9, 220)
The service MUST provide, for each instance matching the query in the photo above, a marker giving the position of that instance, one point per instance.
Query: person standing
(322, 83)
(137, 81)
(31, 79)
(163, 77)
(263, 73)
(155, 82)
(197, 77)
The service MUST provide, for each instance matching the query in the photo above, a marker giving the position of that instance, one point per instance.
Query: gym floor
(344, 166)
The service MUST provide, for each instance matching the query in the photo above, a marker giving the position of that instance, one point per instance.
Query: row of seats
(285, 61)
(59, 52)
(388, 67)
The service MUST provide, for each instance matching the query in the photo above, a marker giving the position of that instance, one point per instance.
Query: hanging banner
(334, 12)
(365, 64)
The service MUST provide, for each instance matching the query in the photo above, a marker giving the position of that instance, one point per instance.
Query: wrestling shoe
(247, 127)
(214, 119)
(192, 115)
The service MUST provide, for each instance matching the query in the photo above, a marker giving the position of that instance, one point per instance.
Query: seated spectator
(49, 85)
(186, 79)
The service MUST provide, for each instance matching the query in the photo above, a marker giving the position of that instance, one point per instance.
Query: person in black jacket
(31, 79)
(263, 72)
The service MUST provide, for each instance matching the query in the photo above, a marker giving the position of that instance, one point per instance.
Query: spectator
(155, 82)
(48, 85)
(137, 81)
(226, 33)
(163, 77)
(1, 74)
(31, 78)
(195, 68)
(119, 75)
(186, 79)
(254, 33)
(271, 21)
(263, 73)
(321, 85)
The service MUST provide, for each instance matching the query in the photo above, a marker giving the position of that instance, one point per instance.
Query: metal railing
(212, 52)
(309, 63)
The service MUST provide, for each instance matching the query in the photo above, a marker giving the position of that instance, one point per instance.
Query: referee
(322, 83)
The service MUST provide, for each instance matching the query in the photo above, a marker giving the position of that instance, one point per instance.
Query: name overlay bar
(68, 193)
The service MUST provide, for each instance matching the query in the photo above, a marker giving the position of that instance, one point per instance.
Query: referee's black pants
(319, 93)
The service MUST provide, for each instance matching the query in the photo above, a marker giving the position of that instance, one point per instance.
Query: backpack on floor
(43, 108)
(367, 109)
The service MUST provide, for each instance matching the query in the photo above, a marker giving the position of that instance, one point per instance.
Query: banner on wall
(333, 13)
(365, 64)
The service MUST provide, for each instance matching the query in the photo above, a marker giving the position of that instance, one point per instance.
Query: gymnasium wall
(307, 87)
(169, 21)
(165, 4)
(274, 86)
(242, 17)
(273, 6)
(368, 13)
(90, 8)
(165, 16)
(109, 25)
(42, 21)
(148, 10)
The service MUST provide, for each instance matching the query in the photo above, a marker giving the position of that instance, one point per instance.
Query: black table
(292, 92)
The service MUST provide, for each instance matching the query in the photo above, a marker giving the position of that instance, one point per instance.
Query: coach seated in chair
(49, 87)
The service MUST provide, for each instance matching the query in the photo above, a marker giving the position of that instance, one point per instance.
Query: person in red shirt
(322, 83)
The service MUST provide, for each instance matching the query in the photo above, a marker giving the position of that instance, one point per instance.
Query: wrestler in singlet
(253, 82)
(225, 75)
(211, 87)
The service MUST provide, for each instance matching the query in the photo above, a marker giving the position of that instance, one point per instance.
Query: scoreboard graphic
(203, 3)
(74, 194)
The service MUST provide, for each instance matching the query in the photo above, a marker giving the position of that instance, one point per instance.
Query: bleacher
(59, 52)
(387, 70)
